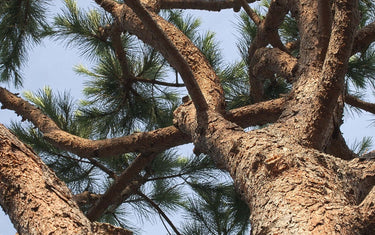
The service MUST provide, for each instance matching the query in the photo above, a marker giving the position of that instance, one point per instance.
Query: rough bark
(281, 171)
(36, 201)
(154, 141)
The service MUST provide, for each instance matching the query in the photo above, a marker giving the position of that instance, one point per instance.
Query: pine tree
(301, 61)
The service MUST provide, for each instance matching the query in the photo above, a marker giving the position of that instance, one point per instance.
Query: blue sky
(51, 64)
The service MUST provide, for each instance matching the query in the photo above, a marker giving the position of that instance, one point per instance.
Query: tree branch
(364, 38)
(160, 211)
(356, 102)
(113, 194)
(169, 47)
(217, 5)
(267, 33)
(139, 79)
(257, 114)
(156, 141)
(108, 5)
(274, 60)
(252, 14)
(325, 78)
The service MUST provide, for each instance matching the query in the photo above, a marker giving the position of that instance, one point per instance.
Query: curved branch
(267, 33)
(156, 141)
(364, 38)
(274, 60)
(358, 103)
(108, 5)
(167, 46)
(217, 5)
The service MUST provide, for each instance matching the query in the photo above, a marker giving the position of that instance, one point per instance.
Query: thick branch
(323, 83)
(156, 141)
(200, 4)
(257, 114)
(358, 103)
(267, 33)
(364, 38)
(273, 60)
(114, 192)
(169, 47)
(108, 5)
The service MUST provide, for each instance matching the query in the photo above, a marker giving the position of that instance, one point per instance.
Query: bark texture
(296, 174)
(36, 201)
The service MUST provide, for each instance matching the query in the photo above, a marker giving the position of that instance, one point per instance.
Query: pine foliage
(22, 25)
(139, 92)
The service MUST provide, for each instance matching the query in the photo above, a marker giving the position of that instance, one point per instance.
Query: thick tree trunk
(290, 189)
(36, 201)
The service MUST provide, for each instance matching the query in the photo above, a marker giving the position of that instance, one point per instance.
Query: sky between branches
(52, 64)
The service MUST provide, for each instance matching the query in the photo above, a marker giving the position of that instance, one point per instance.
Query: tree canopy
(268, 150)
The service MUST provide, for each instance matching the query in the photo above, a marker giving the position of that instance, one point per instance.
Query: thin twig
(185, 70)
(159, 210)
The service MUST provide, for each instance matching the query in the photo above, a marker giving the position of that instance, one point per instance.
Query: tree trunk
(282, 171)
(36, 201)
